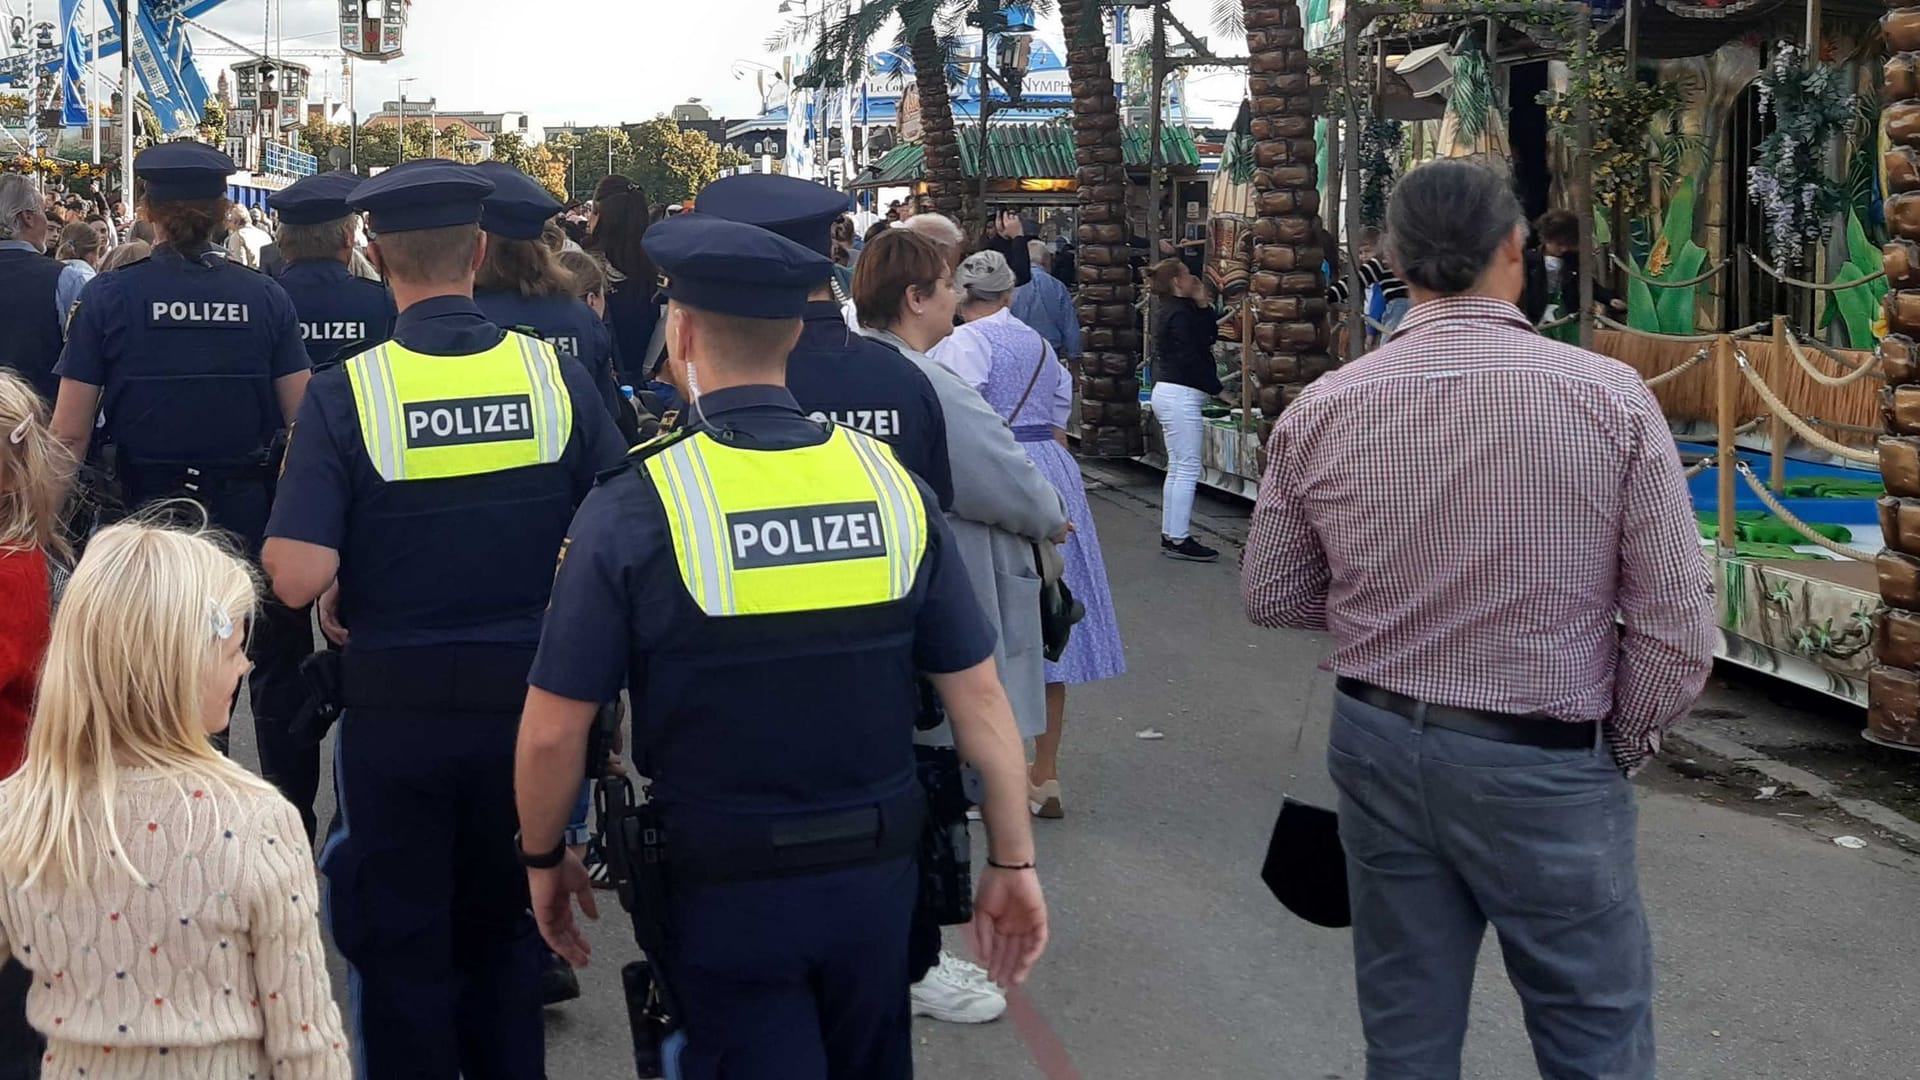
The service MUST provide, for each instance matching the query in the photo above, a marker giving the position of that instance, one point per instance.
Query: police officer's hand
(1009, 927)
(328, 607)
(553, 894)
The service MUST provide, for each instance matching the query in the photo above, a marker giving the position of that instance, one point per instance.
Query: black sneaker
(558, 981)
(1188, 549)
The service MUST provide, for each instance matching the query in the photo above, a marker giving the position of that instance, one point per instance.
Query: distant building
(477, 140)
(487, 123)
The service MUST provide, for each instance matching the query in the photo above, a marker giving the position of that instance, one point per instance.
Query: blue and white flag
(799, 161)
(73, 62)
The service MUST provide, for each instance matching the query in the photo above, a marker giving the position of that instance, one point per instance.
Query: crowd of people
(820, 536)
(227, 433)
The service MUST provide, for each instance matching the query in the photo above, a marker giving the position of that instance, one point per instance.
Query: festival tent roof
(1027, 152)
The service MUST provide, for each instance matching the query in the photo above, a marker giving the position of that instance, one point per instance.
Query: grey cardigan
(1002, 506)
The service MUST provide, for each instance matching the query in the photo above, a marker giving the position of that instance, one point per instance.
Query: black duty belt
(1541, 731)
(437, 678)
(150, 479)
(717, 848)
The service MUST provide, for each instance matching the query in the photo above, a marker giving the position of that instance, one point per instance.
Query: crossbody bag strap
(1031, 382)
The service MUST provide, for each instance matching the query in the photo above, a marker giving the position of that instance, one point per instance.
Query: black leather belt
(1541, 731)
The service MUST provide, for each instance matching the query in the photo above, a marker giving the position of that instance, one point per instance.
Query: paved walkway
(1781, 954)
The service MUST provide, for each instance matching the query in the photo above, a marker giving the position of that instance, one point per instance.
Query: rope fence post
(1727, 395)
(1776, 427)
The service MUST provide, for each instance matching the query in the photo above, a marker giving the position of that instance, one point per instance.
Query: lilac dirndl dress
(1094, 651)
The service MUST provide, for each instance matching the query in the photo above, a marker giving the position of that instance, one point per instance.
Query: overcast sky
(585, 61)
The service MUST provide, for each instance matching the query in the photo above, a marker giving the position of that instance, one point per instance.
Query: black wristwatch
(543, 861)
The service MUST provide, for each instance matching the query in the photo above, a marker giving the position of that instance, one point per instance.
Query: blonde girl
(162, 897)
(32, 464)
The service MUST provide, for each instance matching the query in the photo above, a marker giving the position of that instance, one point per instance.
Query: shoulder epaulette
(637, 456)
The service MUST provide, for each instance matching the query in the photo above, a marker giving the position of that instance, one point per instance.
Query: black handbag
(1059, 611)
(1306, 865)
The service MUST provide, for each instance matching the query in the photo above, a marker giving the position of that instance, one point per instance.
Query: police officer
(434, 477)
(522, 286)
(198, 363)
(835, 373)
(767, 585)
(340, 314)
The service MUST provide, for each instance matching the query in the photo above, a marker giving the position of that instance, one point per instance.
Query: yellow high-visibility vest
(760, 532)
(426, 417)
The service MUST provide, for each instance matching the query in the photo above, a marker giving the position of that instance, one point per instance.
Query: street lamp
(400, 151)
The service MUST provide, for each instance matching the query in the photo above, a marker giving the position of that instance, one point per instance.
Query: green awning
(1027, 152)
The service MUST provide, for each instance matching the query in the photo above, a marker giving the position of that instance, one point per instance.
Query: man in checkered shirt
(1467, 510)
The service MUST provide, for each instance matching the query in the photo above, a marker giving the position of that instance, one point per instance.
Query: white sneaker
(971, 972)
(949, 993)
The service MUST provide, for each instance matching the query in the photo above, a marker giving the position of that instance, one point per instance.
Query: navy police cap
(314, 200)
(179, 171)
(519, 207)
(429, 193)
(733, 269)
(801, 211)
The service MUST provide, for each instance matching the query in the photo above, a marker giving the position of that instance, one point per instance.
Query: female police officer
(767, 586)
(520, 284)
(199, 365)
(435, 475)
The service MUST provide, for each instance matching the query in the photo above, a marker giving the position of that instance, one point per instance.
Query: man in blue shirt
(1045, 304)
(766, 586)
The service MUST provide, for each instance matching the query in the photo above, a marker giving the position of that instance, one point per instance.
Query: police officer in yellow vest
(427, 490)
(767, 586)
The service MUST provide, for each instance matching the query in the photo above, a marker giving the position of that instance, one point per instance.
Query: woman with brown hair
(81, 249)
(619, 221)
(1002, 507)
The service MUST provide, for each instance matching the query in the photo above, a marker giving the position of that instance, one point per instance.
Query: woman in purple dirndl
(1015, 369)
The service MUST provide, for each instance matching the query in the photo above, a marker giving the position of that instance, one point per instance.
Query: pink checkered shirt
(1467, 509)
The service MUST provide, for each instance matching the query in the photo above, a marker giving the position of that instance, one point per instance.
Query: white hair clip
(19, 433)
(221, 621)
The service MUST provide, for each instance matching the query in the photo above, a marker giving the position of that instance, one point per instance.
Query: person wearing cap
(340, 314)
(521, 285)
(835, 373)
(428, 486)
(198, 365)
(767, 587)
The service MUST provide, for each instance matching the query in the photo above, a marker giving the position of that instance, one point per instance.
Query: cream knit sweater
(213, 971)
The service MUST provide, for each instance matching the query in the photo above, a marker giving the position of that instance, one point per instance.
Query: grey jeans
(1446, 833)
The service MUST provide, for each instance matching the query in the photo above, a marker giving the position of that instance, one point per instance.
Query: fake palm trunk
(1109, 383)
(1287, 286)
(946, 183)
(1893, 713)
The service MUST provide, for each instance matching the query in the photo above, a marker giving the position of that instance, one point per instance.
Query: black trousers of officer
(795, 978)
(426, 897)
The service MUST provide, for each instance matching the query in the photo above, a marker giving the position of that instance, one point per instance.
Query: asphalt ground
(1781, 954)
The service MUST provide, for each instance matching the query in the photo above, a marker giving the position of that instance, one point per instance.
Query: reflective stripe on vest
(745, 546)
(426, 417)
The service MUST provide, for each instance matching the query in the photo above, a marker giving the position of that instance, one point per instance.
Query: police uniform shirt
(841, 376)
(564, 322)
(454, 561)
(186, 350)
(340, 315)
(808, 709)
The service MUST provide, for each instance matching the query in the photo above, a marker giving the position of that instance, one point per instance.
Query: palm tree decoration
(1109, 386)
(840, 59)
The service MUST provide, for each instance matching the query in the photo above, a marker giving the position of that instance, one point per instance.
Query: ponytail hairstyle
(33, 466)
(137, 641)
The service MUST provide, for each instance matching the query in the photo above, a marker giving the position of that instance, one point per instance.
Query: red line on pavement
(1049, 1053)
